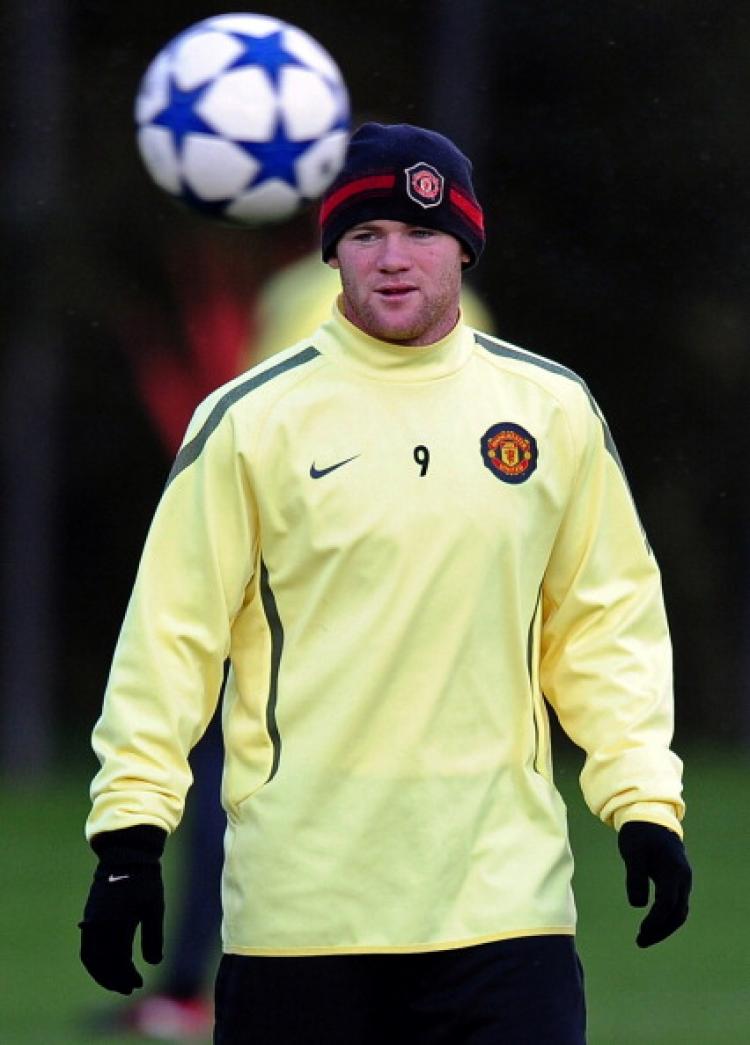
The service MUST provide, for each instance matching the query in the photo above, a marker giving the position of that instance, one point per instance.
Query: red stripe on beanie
(358, 187)
(468, 208)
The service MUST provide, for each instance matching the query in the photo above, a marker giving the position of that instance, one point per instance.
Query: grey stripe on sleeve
(192, 450)
(509, 352)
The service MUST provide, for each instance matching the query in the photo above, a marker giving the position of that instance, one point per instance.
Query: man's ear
(333, 261)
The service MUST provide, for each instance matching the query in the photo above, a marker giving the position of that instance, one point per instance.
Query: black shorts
(527, 991)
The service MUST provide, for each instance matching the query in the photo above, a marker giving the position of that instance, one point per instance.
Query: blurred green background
(612, 158)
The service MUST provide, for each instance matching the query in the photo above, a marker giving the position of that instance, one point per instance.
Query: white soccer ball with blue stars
(244, 118)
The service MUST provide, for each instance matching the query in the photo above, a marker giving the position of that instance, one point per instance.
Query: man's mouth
(396, 290)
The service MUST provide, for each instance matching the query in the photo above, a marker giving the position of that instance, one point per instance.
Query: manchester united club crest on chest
(510, 452)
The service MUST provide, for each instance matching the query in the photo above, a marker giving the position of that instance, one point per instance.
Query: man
(403, 535)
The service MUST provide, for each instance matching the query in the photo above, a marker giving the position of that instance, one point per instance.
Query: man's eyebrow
(374, 225)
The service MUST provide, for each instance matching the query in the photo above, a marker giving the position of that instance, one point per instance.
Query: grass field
(692, 990)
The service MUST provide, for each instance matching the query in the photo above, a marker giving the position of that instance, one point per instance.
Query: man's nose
(394, 255)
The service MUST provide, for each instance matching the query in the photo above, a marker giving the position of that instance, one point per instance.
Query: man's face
(400, 282)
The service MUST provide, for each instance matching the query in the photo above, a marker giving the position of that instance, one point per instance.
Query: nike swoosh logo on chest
(318, 473)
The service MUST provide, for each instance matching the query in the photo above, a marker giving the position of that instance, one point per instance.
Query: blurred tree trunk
(462, 56)
(31, 384)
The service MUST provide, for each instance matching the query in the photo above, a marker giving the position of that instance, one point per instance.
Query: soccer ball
(244, 118)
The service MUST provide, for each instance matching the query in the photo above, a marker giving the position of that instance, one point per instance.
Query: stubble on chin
(438, 316)
(384, 328)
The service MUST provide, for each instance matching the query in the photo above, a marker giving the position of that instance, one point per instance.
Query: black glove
(127, 891)
(651, 851)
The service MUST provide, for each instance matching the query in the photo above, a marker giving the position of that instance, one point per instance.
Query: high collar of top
(385, 361)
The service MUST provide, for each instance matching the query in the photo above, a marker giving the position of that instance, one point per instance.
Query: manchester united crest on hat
(424, 185)
(510, 452)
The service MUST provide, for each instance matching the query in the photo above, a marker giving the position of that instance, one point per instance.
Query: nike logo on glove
(118, 877)
(318, 473)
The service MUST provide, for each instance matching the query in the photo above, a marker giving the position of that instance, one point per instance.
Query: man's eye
(423, 233)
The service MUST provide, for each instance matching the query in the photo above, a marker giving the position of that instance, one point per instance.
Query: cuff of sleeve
(141, 844)
(662, 813)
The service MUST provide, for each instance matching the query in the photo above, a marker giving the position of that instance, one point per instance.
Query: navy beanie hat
(402, 173)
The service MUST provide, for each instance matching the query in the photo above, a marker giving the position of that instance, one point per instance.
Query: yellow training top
(399, 550)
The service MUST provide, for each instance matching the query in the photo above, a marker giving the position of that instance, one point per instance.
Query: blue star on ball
(179, 115)
(267, 52)
(277, 157)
